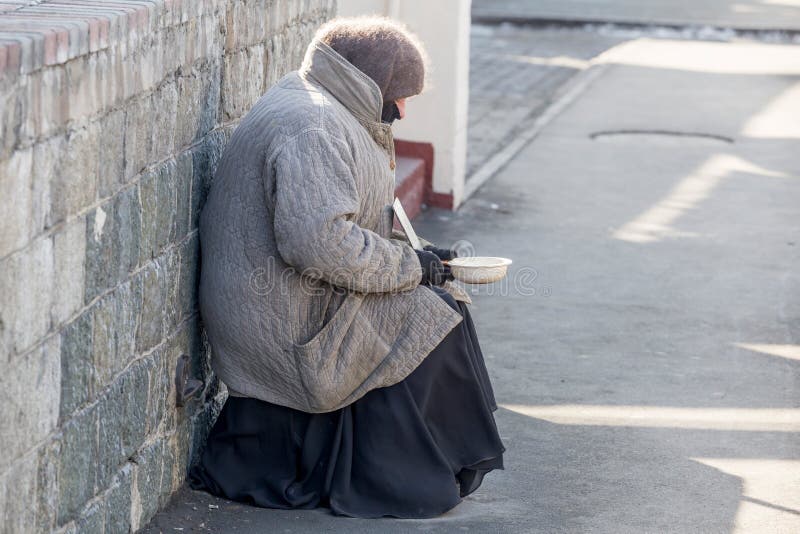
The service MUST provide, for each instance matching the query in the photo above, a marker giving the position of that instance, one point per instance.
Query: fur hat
(383, 49)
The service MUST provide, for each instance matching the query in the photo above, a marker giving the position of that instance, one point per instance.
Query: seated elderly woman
(355, 378)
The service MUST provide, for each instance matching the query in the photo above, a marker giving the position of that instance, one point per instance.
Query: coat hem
(447, 318)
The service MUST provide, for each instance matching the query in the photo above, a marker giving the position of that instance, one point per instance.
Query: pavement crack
(673, 133)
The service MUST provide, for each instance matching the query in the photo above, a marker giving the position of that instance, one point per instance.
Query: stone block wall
(113, 115)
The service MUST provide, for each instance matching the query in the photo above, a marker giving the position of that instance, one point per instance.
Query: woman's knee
(447, 297)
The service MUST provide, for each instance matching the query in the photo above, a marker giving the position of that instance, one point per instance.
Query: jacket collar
(355, 90)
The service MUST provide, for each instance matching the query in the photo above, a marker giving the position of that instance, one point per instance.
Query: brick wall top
(34, 34)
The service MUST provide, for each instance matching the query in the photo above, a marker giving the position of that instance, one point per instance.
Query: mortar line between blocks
(34, 447)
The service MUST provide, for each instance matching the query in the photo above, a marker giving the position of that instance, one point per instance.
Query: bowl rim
(501, 262)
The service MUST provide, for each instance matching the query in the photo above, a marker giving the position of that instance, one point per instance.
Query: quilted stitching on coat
(307, 300)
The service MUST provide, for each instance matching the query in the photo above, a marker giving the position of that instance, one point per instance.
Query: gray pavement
(736, 14)
(638, 394)
(515, 73)
(646, 350)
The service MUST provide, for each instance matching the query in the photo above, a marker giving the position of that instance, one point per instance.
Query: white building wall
(439, 115)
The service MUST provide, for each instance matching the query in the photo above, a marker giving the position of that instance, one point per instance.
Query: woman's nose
(401, 107)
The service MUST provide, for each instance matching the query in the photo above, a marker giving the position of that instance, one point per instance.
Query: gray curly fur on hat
(381, 48)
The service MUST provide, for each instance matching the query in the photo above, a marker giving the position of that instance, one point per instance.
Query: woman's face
(401, 106)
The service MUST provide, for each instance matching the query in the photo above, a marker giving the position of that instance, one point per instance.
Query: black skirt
(411, 450)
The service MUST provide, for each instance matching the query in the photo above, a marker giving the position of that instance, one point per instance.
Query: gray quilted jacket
(307, 300)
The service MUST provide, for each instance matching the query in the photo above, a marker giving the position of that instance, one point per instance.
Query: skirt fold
(411, 450)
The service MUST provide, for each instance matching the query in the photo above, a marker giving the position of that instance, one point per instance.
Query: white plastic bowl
(479, 269)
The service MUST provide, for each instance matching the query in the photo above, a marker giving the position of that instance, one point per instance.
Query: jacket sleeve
(316, 200)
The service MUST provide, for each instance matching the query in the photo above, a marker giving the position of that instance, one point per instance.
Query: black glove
(442, 253)
(434, 272)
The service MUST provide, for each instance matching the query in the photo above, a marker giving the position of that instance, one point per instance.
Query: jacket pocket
(319, 360)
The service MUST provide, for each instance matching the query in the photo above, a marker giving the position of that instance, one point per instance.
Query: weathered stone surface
(69, 253)
(77, 365)
(210, 96)
(171, 261)
(40, 197)
(105, 355)
(242, 80)
(74, 184)
(148, 198)
(99, 260)
(122, 419)
(70, 528)
(173, 476)
(111, 171)
(46, 166)
(246, 24)
(16, 202)
(118, 502)
(163, 117)
(167, 202)
(47, 485)
(77, 468)
(113, 233)
(47, 102)
(208, 39)
(12, 102)
(285, 51)
(173, 45)
(127, 232)
(151, 326)
(279, 18)
(199, 191)
(114, 326)
(82, 87)
(158, 192)
(157, 396)
(125, 67)
(188, 84)
(181, 442)
(198, 102)
(110, 89)
(205, 160)
(201, 353)
(202, 422)
(31, 123)
(189, 276)
(178, 344)
(92, 519)
(183, 206)
(27, 390)
(138, 135)
(215, 386)
(26, 291)
(151, 68)
(55, 101)
(147, 474)
(17, 492)
(29, 395)
(167, 476)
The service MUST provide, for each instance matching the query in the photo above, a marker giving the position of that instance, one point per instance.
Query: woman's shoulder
(294, 106)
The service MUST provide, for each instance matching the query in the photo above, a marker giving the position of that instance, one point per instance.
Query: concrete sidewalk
(645, 352)
(515, 74)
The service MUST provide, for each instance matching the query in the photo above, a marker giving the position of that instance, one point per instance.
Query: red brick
(11, 52)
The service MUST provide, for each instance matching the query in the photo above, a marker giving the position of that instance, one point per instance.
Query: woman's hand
(434, 272)
(443, 254)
